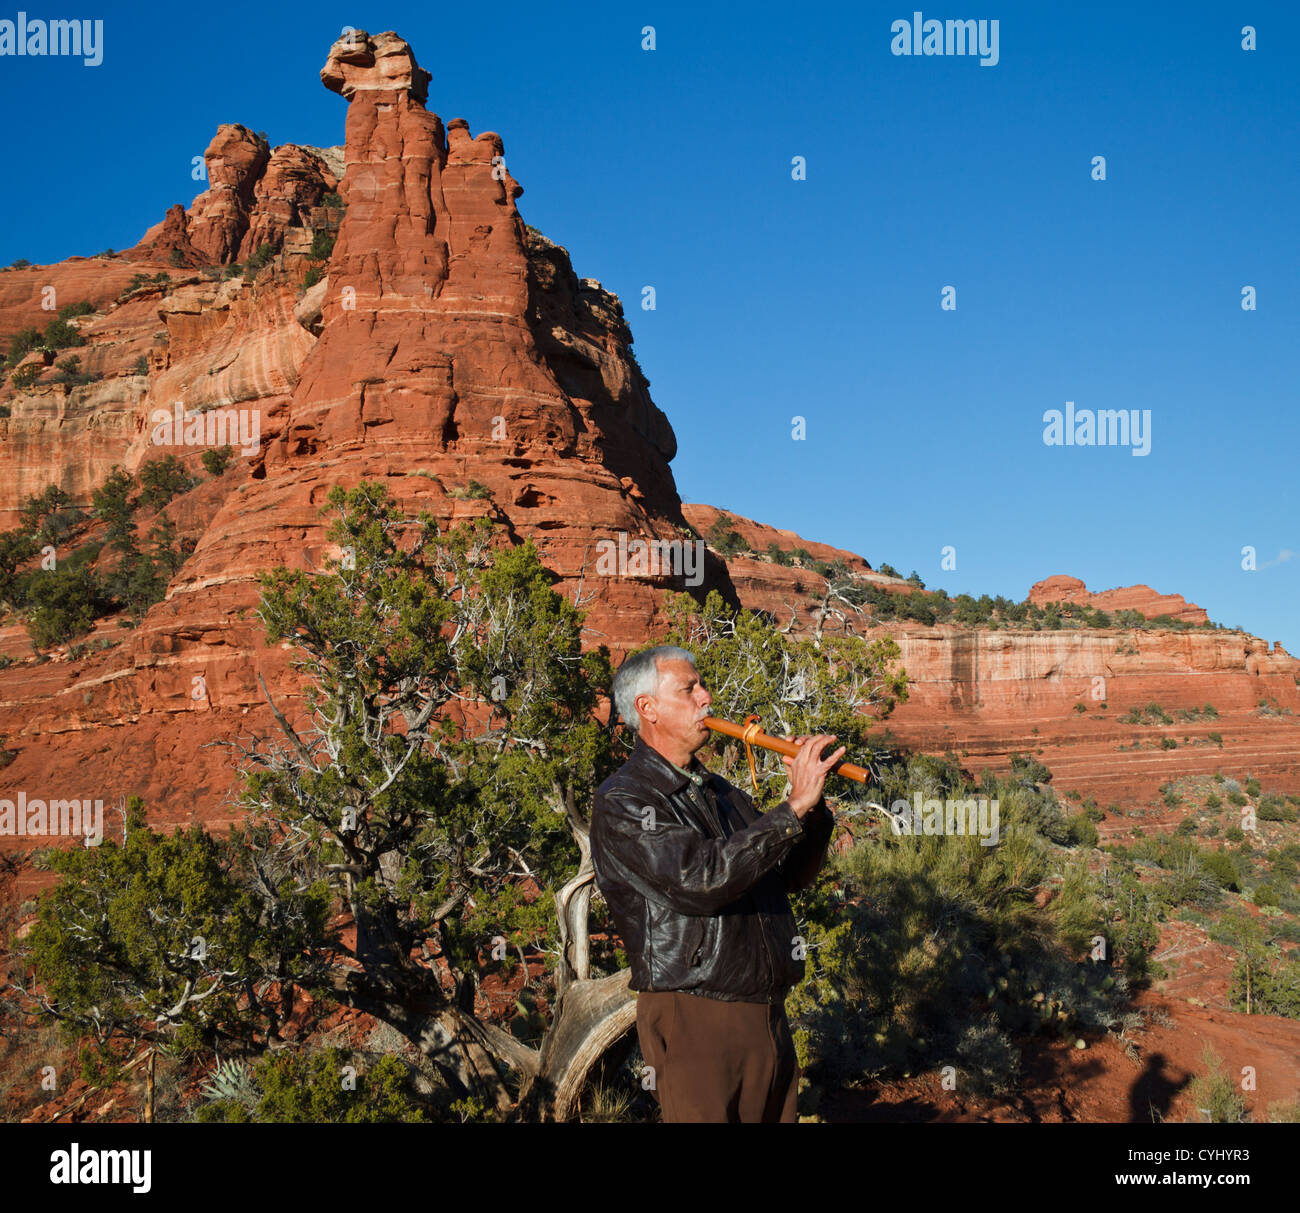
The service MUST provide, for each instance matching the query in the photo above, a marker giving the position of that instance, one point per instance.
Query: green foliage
(260, 258)
(26, 376)
(62, 603)
(176, 258)
(332, 200)
(332, 1086)
(16, 548)
(152, 938)
(724, 539)
(312, 276)
(161, 480)
(795, 687)
(82, 308)
(1214, 1094)
(111, 504)
(394, 633)
(1219, 865)
(778, 555)
(215, 460)
(21, 344)
(1265, 978)
(322, 246)
(70, 371)
(928, 950)
(59, 334)
(472, 491)
(1153, 713)
(1273, 808)
(1081, 831)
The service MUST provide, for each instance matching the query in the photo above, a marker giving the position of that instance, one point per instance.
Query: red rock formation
(448, 343)
(1140, 598)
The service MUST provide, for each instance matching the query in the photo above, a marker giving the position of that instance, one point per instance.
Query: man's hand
(808, 772)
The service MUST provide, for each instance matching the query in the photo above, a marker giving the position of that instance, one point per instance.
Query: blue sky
(820, 298)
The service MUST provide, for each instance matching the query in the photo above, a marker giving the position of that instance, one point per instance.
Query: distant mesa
(1140, 598)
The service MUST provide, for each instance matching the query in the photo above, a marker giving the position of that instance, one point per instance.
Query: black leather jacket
(697, 910)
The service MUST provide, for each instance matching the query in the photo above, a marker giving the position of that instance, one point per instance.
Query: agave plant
(232, 1080)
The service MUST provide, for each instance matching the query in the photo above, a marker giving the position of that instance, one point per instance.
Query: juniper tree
(159, 940)
(451, 739)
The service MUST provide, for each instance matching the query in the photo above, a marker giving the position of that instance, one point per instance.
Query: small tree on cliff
(452, 737)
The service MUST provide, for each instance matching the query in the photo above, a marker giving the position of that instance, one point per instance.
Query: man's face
(679, 707)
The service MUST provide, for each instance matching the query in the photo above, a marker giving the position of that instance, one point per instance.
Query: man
(696, 879)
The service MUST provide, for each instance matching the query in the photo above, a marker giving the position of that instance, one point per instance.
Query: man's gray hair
(639, 675)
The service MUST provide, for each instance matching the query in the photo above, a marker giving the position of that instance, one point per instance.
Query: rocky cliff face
(1140, 598)
(446, 342)
(985, 693)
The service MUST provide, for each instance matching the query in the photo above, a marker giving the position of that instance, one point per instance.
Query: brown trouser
(718, 1061)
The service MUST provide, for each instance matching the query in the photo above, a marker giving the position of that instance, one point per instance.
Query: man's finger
(827, 763)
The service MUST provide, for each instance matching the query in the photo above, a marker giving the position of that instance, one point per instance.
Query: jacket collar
(663, 775)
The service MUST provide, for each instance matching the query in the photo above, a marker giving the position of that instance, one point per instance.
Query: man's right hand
(808, 772)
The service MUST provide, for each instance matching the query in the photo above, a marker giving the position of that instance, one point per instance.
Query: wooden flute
(752, 734)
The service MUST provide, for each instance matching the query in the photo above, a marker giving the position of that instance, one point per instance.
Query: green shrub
(59, 334)
(328, 1087)
(260, 258)
(162, 479)
(1219, 865)
(26, 376)
(21, 344)
(1214, 1094)
(62, 604)
(215, 460)
(322, 246)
